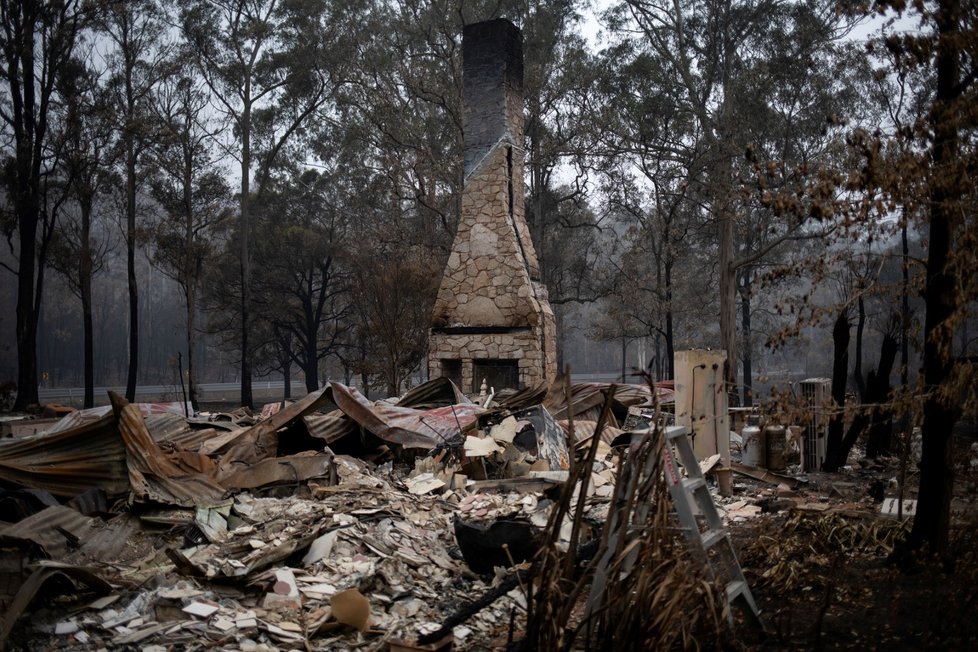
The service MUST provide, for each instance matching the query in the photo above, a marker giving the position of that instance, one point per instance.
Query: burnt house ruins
(492, 321)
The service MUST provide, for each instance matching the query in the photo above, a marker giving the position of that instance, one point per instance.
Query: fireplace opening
(498, 374)
(452, 369)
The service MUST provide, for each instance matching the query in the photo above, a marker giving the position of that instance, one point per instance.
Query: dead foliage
(634, 587)
(801, 554)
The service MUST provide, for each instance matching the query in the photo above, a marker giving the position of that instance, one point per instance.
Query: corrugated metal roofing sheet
(47, 528)
(438, 392)
(406, 426)
(67, 463)
(152, 475)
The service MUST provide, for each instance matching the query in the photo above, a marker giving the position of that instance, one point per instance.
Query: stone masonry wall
(491, 288)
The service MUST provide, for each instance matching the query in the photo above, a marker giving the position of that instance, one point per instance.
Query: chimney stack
(492, 320)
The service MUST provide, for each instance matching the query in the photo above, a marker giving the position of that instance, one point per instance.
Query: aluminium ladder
(712, 541)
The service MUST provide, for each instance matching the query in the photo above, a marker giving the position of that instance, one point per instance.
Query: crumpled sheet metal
(245, 450)
(50, 529)
(81, 417)
(306, 405)
(406, 427)
(152, 475)
(280, 470)
(259, 442)
(586, 397)
(169, 427)
(437, 392)
(330, 427)
(68, 462)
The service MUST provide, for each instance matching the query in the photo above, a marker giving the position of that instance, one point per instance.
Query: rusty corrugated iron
(330, 427)
(52, 529)
(167, 426)
(154, 476)
(280, 470)
(406, 427)
(587, 397)
(438, 392)
(69, 462)
(81, 417)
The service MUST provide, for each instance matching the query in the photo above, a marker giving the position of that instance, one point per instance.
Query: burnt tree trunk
(931, 523)
(857, 370)
(669, 334)
(875, 416)
(745, 327)
(85, 291)
(840, 370)
(131, 269)
(881, 430)
(244, 221)
(287, 378)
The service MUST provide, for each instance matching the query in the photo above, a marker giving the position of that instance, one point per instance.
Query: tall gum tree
(78, 249)
(922, 171)
(190, 187)
(302, 280)
(37, 40)
(947, 168)
(706, 51)
(136, 64)
(271, 67)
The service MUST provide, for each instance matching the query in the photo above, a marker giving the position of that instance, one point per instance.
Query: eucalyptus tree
(718, 68)
(559, 72)
(271, 67)
(405, 114)
(189, 185)
(136, 60)
(79, 247)
(37, 41)
(302, 275)
(930, 179)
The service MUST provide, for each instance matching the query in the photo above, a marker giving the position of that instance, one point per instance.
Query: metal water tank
(752, 451)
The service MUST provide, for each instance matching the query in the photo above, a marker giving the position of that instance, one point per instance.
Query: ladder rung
(735, 588)
(675, 432)
(712, 537)
(692, 484)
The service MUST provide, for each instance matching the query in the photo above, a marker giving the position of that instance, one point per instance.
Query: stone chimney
(492, 320)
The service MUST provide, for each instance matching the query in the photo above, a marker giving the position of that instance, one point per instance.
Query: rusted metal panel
(52, 529)
(280, 470)
(152, 475)
(198, 440)
(434, 393)
(330, 427)
(405, 426)
(306, 405)
(167, 426)
(245, 450)
(80, 417)
(590, 396)
(68, 462)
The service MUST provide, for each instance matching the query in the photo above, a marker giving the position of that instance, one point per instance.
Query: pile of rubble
(336, 522)
(362, 526)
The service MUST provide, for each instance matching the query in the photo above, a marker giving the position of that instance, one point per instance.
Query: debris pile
(306, 526)
(430, 521)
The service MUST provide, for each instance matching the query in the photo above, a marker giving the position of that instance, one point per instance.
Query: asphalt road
(264, 391)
